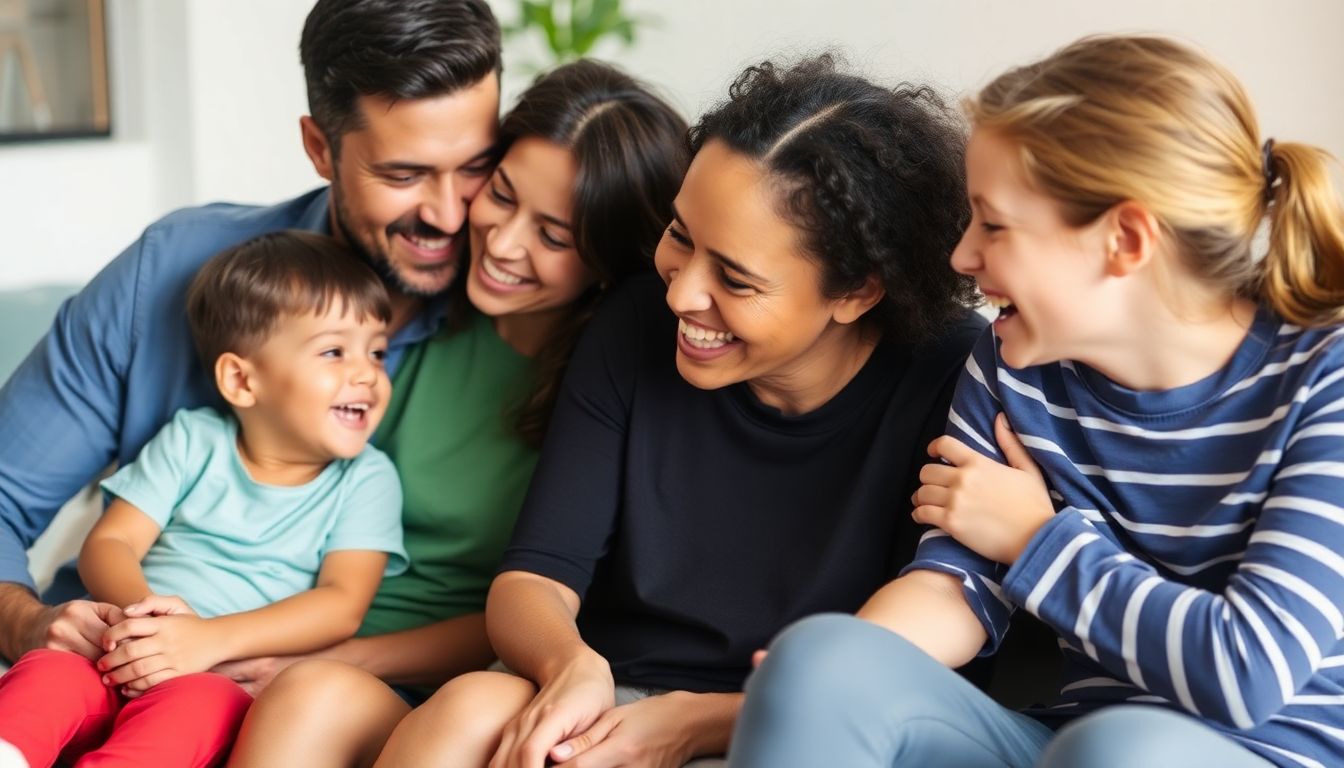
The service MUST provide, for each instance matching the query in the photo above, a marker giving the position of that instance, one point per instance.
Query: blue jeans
(836, 690)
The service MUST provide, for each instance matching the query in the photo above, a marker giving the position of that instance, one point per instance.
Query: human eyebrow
(398, 166)
(722, 257)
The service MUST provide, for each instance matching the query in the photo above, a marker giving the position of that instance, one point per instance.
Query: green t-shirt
(464, 472)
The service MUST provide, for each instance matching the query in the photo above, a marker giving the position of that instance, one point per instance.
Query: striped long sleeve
(1195, 557)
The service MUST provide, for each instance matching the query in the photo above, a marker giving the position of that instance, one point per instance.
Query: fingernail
(107, 680)
(562, 751)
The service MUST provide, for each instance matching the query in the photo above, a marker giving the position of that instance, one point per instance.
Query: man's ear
(233, 376)
(1132, 238)
(317, 147)
(856, 303)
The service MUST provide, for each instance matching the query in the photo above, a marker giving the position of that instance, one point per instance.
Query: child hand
(145, 651)
(159, 605)
(990, 508)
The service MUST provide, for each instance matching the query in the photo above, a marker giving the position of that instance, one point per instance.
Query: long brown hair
(630, 150)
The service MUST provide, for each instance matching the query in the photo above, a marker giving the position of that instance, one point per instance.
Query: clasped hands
(991, 508)
(572, 722)
(153, 640)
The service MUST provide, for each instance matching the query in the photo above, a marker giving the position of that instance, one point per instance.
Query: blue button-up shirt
(119, 361)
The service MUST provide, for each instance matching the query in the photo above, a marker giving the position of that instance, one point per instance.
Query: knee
(1115, 737)
(314, 679)
(829, 657)
(476, 706)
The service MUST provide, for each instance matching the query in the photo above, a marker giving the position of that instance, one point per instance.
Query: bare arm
(109, 562)
(316, 618)
(428, 655)
(530, 620)
(929, 609)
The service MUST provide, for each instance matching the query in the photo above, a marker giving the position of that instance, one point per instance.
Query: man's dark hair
(242, 293)
(874, 177)
(396, 49)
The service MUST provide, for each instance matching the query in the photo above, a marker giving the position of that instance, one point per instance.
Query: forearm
(710, 718)
(306, 622)
(111, 572)
(531, 626)
(20, 615)
(428, 655)
(929, 609)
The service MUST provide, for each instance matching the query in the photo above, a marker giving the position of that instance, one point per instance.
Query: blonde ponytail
(1303, 273)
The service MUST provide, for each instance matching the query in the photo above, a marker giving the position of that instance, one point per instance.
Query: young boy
(274, 524)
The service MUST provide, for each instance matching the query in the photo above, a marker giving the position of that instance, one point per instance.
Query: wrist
(582, 662)
(23, 620)
(708, 720)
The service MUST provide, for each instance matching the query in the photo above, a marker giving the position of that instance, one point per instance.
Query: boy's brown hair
(242, 293)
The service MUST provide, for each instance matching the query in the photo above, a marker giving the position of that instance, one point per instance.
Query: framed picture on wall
(53, 70)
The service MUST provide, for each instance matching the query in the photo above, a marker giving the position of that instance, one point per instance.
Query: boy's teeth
(999, 302)
(703, 338)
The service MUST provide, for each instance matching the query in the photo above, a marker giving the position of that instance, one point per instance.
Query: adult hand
(990, 508)
(145, 651)
(566, 706)
(649, 733)
(255, 674)
(77, 626)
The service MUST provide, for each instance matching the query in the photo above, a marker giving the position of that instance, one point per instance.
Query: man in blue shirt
(404, 96)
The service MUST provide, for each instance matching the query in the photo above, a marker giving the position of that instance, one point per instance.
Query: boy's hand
(145, 651)
(159, 605)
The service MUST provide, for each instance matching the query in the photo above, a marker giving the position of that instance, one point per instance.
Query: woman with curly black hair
(717, 471)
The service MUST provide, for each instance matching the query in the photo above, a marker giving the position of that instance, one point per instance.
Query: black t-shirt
(696, 524)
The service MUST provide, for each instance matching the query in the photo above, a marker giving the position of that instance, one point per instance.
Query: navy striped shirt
(1194, 560)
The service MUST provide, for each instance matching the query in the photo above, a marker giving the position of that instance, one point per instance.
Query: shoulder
(205, 229)
(369, 466)
(949, 351)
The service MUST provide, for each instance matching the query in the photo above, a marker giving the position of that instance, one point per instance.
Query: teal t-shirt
(228, 543)
(464, 472)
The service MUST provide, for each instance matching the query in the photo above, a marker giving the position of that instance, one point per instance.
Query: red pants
(54, 704)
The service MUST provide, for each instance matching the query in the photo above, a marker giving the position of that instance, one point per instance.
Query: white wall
(207, 94)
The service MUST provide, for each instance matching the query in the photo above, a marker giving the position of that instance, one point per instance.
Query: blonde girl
(1144, 451)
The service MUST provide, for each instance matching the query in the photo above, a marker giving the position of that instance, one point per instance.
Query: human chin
(415, 278)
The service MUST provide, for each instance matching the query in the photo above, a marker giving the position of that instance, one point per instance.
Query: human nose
(966, 257)
(444, 206)
(687, 290)
(364, 369)
(505, 241)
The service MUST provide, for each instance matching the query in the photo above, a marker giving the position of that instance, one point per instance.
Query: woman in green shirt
(590, 162)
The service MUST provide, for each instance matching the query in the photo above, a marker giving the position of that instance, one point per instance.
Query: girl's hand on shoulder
(649, 733)
(144, 651)
(565, 707)
(991, 508)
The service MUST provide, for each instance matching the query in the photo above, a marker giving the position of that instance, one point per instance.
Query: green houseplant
(570, 28)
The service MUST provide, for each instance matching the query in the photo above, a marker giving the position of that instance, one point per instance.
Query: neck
(1194, 344)
(528, 332)
(404, 309)
(270, 462)
(818, 374)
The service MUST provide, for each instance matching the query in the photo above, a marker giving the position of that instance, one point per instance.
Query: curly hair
(875, 178)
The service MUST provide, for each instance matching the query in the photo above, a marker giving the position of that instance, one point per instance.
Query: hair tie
(1267, 169)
